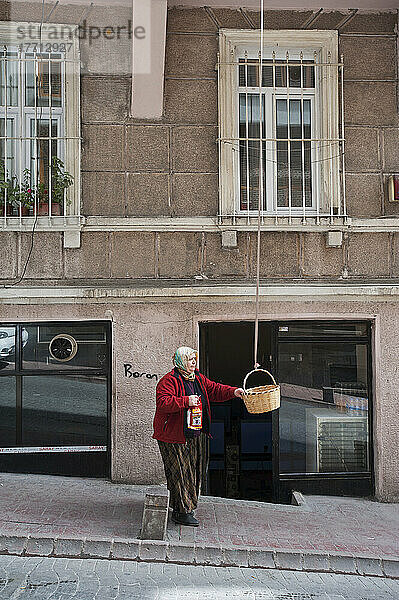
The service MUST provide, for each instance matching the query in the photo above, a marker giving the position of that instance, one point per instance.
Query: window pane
(7, 412)
(308, 78)
(295, 74)
(274, 74)
(66, 347)
(7, 347)
(250, 151)
(8, 78)
(324, 407)
(7, 147)
(62, 410)
(46, 73)
(294, 175)
(41, 156)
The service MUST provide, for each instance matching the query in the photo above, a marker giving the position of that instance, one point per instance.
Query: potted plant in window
(61, 180)
(6, 205)
(25, 194)
(13, 195)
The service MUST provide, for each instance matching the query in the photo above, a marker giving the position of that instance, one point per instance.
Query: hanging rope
(260, 201)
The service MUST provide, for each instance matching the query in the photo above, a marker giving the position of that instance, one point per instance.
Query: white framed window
(39, 121)
(297, 111)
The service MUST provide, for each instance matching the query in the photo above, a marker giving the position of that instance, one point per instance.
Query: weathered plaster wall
(170, 168)
(145, 335)
(115, 256)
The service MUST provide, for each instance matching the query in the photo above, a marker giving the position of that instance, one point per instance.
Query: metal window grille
(33, 132)
(300, 101)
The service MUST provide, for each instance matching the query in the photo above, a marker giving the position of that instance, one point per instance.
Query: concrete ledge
(209, 554)
(201, 554)
(235, 556)
(12, 544)
(369, 566)
(68, 547)
(40, 546)
(180, 553)
(96, 548)
(154, 550)
(126, 549)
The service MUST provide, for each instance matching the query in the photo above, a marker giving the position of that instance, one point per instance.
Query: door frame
(278, 492)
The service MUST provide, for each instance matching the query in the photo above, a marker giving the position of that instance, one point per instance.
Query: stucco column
(148, 64)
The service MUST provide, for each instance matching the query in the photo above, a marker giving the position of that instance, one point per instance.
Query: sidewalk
(63, 516)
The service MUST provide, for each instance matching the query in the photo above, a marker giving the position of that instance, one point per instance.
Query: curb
(197, 554)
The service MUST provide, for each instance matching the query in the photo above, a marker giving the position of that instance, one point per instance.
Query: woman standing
(180, 430)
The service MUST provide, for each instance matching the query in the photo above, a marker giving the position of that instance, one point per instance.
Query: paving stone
(97, 548)
(208, 555)
(342, 564)
(153, 550)
(288, 560)
(126, 549)
(68, 547)
(181, 553)
(369, 566)
(39, 546)
(391, 568)
(261, 558)
(315, 562)
(12, 544)
(235, 556)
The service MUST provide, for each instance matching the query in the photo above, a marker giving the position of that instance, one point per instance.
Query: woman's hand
(193, 400)
(238, 392)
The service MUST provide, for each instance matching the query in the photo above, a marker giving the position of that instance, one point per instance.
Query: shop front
(55, 398)
(326, 438)
(319, 441)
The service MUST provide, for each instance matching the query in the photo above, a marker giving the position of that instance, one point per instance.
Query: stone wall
(170, 168)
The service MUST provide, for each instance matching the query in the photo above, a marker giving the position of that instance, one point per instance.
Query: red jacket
(172, 401)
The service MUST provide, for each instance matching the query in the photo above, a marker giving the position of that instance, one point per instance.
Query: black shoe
(185, 519)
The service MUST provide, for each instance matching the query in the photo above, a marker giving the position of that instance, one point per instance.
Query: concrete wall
(115, 256)
(145, 335)
(170, 168)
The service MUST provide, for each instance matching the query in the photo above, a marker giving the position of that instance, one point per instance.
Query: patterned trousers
(185, 468)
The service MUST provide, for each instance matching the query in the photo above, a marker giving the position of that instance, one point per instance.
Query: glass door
(325, 416)
(241, 446)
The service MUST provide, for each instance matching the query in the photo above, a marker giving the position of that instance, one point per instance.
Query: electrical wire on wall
(260, 200)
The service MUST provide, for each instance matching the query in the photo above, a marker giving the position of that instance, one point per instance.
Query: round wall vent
(63, 347)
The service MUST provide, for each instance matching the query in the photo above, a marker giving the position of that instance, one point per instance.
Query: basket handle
(254, 371)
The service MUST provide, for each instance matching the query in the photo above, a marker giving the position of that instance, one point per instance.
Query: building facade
(154, 245)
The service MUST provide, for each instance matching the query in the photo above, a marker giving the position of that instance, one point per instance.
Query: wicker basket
(263, 398)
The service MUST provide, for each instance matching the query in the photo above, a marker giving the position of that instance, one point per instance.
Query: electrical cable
(260, 201)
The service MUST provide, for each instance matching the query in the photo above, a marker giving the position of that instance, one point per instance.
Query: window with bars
(280, 120)
(39, 128)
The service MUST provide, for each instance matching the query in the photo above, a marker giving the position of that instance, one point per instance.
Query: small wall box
(393, 188)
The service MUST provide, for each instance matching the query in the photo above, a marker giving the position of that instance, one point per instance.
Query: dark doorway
(54, 398)
(319, 441)
(241, 445)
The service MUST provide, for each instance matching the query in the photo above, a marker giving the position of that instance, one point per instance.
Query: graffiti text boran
(129, 373)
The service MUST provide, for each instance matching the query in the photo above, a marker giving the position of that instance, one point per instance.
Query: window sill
(71, 225)
(243, 224)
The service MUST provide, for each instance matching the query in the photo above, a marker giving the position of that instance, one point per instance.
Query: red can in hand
(194, 416)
